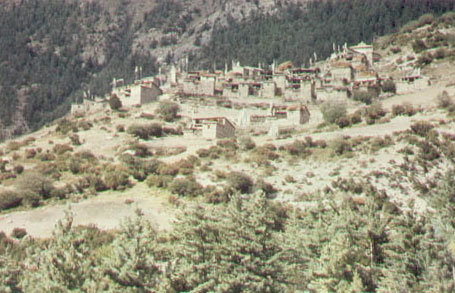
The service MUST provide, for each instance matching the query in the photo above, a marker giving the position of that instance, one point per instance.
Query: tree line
(297, 32)
(342, 243)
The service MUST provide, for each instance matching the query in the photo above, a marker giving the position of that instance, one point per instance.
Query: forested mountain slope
(52, 50)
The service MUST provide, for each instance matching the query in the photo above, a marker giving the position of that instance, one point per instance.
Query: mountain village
(287, 94)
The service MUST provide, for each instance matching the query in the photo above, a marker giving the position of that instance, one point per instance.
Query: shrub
(355, 117)
(424, 59)
(36, 184)
(297, 148)
(145, 131)
(9, 199)
(30, 153)
(147, 116)
(395, 50)
(47, 156)
(418, 46)
(428, 152)
(166, 169)
(331, 111)
(18, 169)
(114, 102)
(379, 142)
(185, 187)
(14, 145)
(363, 96)
(155, 129)
(228, 144)
(389, 86)
(116, 177)
(168, 110)
(265, 187)
(422, 128)
(18, 233)
(140, 149)
(439, 53)
(85, 125)
(403, 109)
(75, 140)
(246, 143)
(374, 112)
(95, 182)
(343, 122)
(172, 131)
(64, 126)
(240, 182)
(60, 149)
(341, 146)
(445, 101)
(120, 128)
(161, 181)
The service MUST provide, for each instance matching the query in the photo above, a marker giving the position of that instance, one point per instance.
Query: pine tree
(65, 265)
(230, 249)
(9, 274)
(132, 265)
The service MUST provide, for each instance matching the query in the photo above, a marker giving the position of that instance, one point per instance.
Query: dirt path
(106, 211)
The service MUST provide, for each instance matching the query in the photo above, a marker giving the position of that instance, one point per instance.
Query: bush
(363, 96)
(9, 199)
(18, 169)
(64, 126)
(343, 122)
(428, 152)
(240, 182)
(116, 177)
(185, 187)
(424, 59)
(418, 46)
(374, 112)
(265, 187)
(341, 146)
(18, 233)
(36, 184)
(445, 101)
(145, 131)
(403, 109)
(355, 118)
(120, 128)
(60, 149)
(114, 102)
(246, 143)
(297, 148)
(30, 153)
(161, 181)
(395, 50)
(389, 86)
(203, 153)
(422, 128)
(155, 129)
(147, 116)
(75, 140)
(331, 111)
(439, 53)
(168, 110)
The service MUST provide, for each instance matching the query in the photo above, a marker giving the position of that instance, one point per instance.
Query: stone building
(268, 89)
(342, 72)
(89, 105)
(213, 127)
(138, 94)
(362, 49)
(197, 84)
